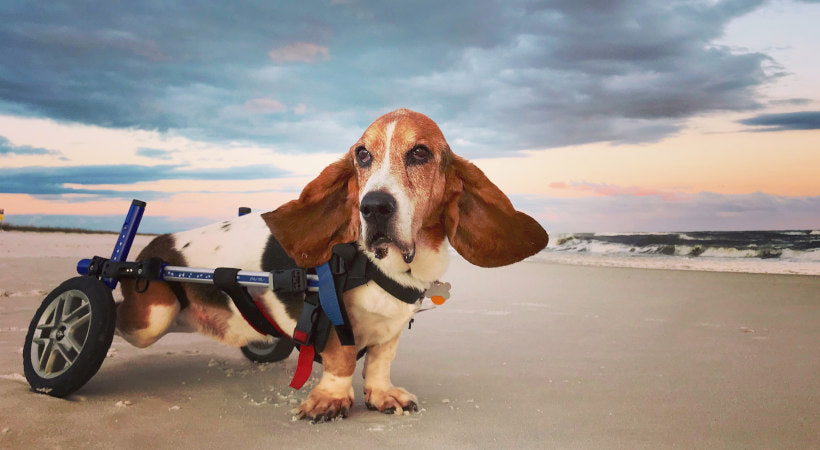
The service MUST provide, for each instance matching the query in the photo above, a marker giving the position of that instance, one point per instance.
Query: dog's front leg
(379, 392)
(333, 396)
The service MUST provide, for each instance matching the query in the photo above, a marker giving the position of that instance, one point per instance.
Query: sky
(607, 116)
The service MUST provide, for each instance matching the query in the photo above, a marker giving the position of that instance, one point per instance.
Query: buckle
(337, 264)
(95, 266)
(287, 281)
(146, 269)
(306, 325)
(342, 254)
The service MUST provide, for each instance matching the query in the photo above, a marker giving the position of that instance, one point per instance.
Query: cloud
(801, 120)
(577, 72)
(755, 211)
(8, 149)
(609, 190)
(264, 106)
(498, 76)
(154, 153)
(40, 181)
(304, 52)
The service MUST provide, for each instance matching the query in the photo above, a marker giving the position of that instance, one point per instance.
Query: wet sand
(534, 355)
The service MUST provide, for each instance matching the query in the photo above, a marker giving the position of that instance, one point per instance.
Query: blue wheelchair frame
(73, 328)
(172, 273)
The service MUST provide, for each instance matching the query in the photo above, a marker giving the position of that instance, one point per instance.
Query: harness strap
(347, 265)
(406, 294)
(360, 270)
(303, 367)
(308, 320)
(179, 291)
(225, 279)
(327, 295)
(312, 328)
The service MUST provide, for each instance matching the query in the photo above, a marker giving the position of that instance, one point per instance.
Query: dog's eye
(363, 156)
(418, 155)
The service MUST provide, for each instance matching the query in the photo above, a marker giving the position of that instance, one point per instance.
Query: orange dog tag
(439, 292)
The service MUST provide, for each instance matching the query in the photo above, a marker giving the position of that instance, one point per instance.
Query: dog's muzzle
(378, 209)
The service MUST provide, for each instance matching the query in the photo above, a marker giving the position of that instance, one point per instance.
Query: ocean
(781, 252)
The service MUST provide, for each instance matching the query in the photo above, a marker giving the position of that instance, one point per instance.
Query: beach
(533, 355)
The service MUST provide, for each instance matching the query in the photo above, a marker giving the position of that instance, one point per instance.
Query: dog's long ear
(325, 214)
(481, 223)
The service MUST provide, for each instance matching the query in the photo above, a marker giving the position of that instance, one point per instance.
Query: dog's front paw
(323, 405)
(390, 400)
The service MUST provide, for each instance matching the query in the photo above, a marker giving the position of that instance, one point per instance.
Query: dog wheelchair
(72, 330)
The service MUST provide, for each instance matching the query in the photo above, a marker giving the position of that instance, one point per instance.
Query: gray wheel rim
(62, 332)
(261, 348)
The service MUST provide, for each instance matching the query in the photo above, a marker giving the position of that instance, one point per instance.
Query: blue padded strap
(327, 295)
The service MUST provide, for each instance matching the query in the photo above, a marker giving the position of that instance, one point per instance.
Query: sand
(533, 355)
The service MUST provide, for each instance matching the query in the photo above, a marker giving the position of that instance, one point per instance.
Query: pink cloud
(300, 109)
(264, 105)
(608, 190)
(304, 52)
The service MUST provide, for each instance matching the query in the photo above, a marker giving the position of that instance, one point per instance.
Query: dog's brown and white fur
(401, 194)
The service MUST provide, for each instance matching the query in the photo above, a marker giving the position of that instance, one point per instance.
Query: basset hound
(401, 195)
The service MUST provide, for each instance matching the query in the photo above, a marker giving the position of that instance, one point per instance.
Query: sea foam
(779, 252)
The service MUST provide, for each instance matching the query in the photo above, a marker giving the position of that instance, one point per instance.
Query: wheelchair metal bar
(244, 278)
(126, 238)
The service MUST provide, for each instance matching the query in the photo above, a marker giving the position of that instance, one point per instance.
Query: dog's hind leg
(144, 317)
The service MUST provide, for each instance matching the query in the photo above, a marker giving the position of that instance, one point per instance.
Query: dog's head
(400, 189)
(400, 167)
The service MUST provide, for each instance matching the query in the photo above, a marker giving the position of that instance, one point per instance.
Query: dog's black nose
(377, 207)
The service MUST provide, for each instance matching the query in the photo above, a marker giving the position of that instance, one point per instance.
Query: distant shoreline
(35, 229)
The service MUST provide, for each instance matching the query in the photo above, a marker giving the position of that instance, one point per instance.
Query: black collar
(360, 269)
(406, 294)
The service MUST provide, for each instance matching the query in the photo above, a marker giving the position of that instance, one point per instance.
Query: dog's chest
(376, 316)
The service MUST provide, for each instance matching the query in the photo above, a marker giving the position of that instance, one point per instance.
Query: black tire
(69, 336)
(264, 352)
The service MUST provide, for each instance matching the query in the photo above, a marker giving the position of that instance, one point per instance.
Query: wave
(791, 251)
(727, 244)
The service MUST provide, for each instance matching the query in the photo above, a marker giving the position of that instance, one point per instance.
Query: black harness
(349, 269)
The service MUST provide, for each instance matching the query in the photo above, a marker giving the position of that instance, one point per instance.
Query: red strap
(270, 319)
(250, 322)
(306, 352)
(303, 367)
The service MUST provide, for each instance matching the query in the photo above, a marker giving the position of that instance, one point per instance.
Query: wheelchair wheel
(264, 352)
(69, 336)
